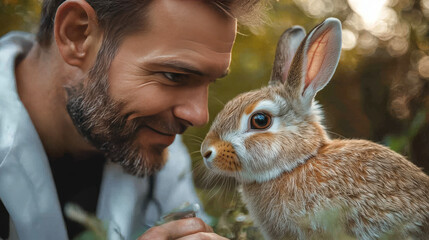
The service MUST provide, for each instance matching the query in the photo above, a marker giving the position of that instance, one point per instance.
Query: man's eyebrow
(186, 67)
(181, 66)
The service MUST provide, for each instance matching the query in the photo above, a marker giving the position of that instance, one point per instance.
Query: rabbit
(272, 142)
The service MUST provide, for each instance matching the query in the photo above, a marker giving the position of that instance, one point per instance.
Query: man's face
(157, 84)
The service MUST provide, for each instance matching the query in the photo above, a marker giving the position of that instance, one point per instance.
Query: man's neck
(40, 78)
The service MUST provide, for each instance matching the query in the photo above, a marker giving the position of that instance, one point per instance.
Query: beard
(98, 118)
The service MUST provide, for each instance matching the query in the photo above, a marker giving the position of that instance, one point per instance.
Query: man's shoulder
(17, 38)
(11, 46)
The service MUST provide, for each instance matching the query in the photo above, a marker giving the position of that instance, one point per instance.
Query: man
(108, 79)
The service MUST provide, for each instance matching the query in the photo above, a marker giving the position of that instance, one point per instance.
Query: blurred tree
(19, 15)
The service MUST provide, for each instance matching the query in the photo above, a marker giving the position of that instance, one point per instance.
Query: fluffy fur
(292, 172)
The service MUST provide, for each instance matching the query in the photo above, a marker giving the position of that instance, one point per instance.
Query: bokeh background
(379, 92)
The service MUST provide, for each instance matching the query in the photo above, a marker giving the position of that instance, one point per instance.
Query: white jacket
(26, 185)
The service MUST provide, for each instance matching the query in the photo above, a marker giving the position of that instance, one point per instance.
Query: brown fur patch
(258, 138)
(319, 175)
(249, 109)
(226, 159)
(356, 175)
(334, 146)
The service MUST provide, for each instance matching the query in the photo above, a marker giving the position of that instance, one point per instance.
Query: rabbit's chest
(287, 213)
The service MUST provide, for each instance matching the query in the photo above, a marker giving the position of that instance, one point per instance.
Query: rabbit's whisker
(193, 135)
(219, 101)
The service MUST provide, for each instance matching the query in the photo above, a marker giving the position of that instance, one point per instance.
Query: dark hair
(117, 17)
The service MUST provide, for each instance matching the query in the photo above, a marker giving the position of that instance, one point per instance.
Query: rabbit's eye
(260, 121)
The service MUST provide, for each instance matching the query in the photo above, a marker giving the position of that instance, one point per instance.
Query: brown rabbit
(272, 141)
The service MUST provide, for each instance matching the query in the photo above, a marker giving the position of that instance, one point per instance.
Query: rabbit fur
(292, 172)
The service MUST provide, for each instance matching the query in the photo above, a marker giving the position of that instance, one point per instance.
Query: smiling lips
(164, 138)
(162, 133)
(156, 131)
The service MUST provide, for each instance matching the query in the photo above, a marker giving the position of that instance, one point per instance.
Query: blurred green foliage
(379, 92)
(19, 15)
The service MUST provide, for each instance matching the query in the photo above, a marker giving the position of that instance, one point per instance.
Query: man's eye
(174, 77)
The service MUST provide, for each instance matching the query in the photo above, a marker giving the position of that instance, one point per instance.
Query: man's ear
(77, 33)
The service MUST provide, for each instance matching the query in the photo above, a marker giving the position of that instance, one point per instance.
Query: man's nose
(193, 108)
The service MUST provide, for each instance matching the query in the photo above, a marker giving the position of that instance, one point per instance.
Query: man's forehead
(195, 18)
(191, 36)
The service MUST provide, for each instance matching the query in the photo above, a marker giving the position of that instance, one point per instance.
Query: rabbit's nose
(208, 156)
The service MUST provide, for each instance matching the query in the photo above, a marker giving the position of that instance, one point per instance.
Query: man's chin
(147, 162)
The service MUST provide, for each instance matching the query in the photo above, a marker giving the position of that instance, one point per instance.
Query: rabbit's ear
(286, 49)
(315, 61)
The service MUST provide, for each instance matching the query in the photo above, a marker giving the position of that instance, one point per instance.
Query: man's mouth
(156, 134)
(162, 133)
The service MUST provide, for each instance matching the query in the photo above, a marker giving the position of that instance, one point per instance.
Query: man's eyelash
(174, 77)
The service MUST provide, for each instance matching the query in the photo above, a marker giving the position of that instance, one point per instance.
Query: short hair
(117, 17)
